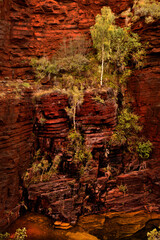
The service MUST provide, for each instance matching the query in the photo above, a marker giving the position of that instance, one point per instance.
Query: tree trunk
(102, 69)
(74, 118)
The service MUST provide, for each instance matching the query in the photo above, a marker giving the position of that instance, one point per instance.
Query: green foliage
(75, 99)
(74, 63)
(42, 121)
(123, 188)
(26, 85)
(4, 236)
(125, 48)
(20, 234)
(115, 45)
(126, 134)
(42, 169)
(101, 35)
(150, 9)
(98, 98)
(76, 148)
(154, 234)
(43, 67)
(144, 149)
(126, 129)
(71, 58)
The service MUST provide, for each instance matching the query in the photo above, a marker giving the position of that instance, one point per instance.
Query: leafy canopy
(116, 46)
(150, 9)
(101, 32)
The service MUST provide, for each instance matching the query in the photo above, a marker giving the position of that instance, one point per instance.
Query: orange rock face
(144, 85)
(36, 28)
(16, 146)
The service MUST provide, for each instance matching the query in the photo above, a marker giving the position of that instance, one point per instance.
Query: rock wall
(63, 197)
(144, 85)
(90, 117)
(16, 147)
(36, 28)
(127, 186)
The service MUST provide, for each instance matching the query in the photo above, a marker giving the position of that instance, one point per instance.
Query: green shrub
(74, 63)
(42, 121)
(20, 234)
(98, 98)
(150, 9)
(76, 148)
(123, 188)
(153, 235)
(43, 67)
(75, 99)
(127, 134)
(42, 169)
(144, 149)
(4, 236)
(71, 58)
(126, 129)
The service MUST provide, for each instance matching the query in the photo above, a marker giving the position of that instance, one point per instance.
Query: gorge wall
(16, 147)
(36, 28)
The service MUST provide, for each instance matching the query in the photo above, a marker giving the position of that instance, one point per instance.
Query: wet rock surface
(111, 226)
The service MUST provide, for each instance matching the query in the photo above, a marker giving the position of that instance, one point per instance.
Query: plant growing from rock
(144, 149)
(101, 36)
(126, 135)
(154, 234)
(42, 121)
(43, 67)
(75, 99)
(150, 9)
(42, 169)
(70, 58)
(116, 47)
(78, 151)
(4, 236)
(123, 188)
(99, 99)
(20, 234)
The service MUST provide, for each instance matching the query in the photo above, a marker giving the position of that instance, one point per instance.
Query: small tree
(115, 45)
(76, 99)
(101, 35)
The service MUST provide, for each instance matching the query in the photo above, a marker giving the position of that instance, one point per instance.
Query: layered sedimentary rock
(16, 147)
(61, 197)
(36, 28)
(127, 185)
(144, 85)
(52, 123)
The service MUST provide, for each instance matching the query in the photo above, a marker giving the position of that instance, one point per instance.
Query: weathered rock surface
(30, 28)
(66, 198)
(16, 146)
(36, 28)
(144, 85)
(90, 117)
(111, 226)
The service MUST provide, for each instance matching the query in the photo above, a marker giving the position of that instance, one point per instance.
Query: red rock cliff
(16, 146)
(36, 28)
